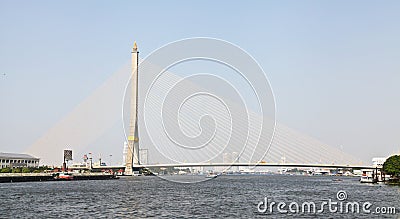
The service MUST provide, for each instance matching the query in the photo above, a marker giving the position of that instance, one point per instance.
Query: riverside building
(14, 160)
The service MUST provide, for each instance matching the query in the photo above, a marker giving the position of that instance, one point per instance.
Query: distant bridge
(339, 166)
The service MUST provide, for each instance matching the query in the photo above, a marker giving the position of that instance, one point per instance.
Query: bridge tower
(132, 156)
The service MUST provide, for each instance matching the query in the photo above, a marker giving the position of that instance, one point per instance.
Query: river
(225, 196)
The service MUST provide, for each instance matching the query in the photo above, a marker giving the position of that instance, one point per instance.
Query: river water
(224, 196)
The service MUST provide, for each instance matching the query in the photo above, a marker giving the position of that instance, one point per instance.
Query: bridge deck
(236, 165)
(257, 164)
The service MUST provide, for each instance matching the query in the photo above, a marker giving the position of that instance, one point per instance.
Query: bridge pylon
(132, 156)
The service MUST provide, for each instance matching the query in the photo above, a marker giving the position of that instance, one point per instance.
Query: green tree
(26, 170)
(6, 170)
(392, 165)
(17, 170)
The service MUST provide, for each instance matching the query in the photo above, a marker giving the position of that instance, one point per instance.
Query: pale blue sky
(333, 65)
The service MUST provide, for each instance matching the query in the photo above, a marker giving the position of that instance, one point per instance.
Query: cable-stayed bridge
(221, 131)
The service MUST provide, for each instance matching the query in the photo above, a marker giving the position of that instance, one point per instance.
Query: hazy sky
(333, 65)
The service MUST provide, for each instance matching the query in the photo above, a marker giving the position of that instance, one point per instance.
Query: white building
(378, 162)
(125, 152)
(14, 160)
(144, 156)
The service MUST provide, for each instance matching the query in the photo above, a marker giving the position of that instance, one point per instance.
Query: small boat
(337, 180)
(211, 175)
(368, 177)
(65, 176)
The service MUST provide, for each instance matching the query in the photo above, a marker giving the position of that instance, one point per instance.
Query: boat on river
(65, 176)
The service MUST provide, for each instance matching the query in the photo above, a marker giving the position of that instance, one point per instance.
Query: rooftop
(16, 156)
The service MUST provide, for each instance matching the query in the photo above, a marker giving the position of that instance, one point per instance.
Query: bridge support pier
(132, 157)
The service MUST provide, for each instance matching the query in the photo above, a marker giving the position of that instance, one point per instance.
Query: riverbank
(35, 177)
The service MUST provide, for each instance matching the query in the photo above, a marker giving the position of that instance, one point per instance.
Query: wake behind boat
(211, 175)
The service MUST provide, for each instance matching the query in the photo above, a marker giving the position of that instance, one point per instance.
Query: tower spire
(132, 157)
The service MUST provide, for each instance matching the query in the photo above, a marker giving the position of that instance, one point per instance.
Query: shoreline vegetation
(392, 168)
(40, 169)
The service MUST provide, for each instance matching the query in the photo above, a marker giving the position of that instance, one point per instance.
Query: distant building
(378, 162)
(227, 158)
(231, 158)
(14, 160)
(125, 152)
(144, 156)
